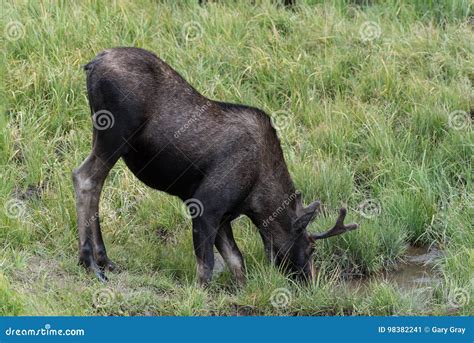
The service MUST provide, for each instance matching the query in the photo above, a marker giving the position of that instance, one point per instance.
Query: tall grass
(365, 119)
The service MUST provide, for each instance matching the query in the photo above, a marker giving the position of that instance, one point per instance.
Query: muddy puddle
(415, 271)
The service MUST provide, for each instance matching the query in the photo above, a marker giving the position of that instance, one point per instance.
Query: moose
(223, 160)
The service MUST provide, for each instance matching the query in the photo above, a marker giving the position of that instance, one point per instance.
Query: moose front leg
(204, 235)
(88, 180)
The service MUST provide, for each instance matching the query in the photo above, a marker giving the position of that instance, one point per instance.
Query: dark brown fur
(225, 156)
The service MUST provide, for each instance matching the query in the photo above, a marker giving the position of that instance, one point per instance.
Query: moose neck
(274, 221)
(275, 204)
(274, 199)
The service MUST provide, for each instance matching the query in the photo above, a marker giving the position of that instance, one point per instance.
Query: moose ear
(306, 215)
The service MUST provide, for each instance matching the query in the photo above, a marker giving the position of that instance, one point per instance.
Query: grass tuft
(372, 117)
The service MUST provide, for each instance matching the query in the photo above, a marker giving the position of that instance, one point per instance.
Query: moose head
(287, 241)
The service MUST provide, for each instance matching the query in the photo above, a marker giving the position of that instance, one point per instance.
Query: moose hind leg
(227, 247)
(88, 180)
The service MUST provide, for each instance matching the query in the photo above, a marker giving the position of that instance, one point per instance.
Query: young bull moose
(222, 159)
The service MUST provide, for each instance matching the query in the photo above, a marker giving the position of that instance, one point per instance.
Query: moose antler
(338, 229)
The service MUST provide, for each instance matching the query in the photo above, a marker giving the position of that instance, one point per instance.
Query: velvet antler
(338, 229)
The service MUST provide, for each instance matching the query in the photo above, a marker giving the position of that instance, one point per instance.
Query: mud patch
(417, 269)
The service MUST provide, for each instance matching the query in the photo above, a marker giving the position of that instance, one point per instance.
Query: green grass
(364, 119)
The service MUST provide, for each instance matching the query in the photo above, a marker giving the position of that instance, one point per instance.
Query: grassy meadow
(373, 103)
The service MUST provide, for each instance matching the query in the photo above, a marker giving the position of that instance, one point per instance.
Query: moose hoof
(90, 265)
(106, 264)
(101, 276)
